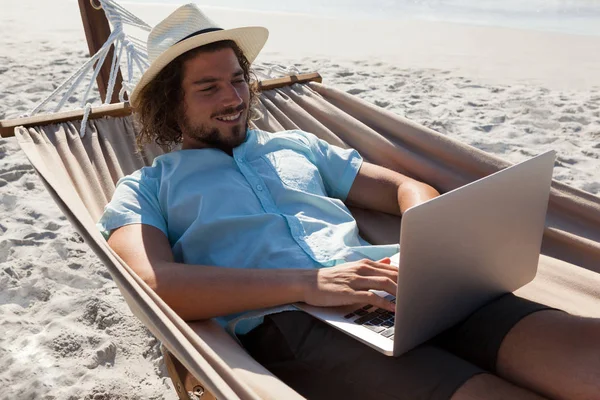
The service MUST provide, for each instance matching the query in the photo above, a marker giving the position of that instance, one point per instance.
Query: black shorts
(320, 362)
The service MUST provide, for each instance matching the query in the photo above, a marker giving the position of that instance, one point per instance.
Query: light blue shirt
(277, 203)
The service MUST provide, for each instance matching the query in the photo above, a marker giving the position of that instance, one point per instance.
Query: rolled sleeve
(135, 201)
(338, 167)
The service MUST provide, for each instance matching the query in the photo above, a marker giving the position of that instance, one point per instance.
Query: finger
(382, 265)
(374, 271)
(375, 300)
(374, 283)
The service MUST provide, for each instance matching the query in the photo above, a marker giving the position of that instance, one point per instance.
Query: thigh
(555, 353)
(478, 338)
(321, 362)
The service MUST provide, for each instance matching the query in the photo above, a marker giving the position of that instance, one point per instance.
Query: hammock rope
(128, 50)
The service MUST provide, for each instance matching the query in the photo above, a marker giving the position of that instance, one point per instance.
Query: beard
(225, 139)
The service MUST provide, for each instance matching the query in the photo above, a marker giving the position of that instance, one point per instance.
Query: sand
(66, 333)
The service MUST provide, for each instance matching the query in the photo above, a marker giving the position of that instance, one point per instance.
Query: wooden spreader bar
(121, 109)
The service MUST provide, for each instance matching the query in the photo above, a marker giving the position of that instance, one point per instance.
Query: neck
(209, 141)
(195, 144)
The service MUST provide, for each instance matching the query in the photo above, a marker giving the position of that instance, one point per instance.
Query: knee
(554, 353)
(586, 340)
(583, 349)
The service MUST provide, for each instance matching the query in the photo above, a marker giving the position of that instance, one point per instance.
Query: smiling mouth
(230, 118)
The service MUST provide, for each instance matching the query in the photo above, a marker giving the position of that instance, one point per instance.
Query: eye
(208, 89)
(240, 80)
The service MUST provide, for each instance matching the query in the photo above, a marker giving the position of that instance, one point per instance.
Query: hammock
(80, 173)
(80, 162)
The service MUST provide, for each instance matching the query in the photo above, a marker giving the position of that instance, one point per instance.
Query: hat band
(200, 32)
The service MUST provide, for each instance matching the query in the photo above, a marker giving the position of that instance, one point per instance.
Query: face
(215, 104)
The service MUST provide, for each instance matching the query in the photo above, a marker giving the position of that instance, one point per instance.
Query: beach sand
(66, 331)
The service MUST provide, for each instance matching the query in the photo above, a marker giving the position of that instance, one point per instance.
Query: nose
(231, 96)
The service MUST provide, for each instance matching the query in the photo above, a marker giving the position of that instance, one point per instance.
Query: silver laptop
(457, 252)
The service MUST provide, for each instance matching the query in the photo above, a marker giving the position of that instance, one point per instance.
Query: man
(239, 224)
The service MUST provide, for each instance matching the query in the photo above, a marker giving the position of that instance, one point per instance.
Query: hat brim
(250, 39)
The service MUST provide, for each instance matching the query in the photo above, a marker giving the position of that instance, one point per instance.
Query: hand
(351, 283)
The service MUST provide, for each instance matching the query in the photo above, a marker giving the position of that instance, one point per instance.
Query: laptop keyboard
(376, 319)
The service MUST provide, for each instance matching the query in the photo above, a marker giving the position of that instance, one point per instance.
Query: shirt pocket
(296, 172)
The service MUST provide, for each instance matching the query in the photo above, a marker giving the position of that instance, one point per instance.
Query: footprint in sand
(565, 160)
(75, 281)
(529, 153)
(19, 102)
(440, 126)
(60, 249)
(60, 61)
(495, 148)
(396, 85)
(468, 86)
(573, 128)
(12, 273)
(592, 187)
(75, 266)
(34, 214)
(591, 153)
(474, 104)
(104, 356)
(543, 140)
(17, 170)
(25, 221)
(485, 128)
(41, 236)
(356, 91)
(28, 292)
(573, 110)
(572, 118)
(12, 176)
(9, 201)
(52, 226)
(41, 87)
(101, 314)
(66, 344)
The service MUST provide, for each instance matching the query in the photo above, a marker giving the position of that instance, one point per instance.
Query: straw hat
(187, 28)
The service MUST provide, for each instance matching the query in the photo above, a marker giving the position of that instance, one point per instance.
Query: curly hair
(160, 103)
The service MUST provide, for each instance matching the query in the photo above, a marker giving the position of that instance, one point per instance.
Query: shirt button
(259, 187)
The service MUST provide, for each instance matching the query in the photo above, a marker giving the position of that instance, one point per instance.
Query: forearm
(200, 292)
